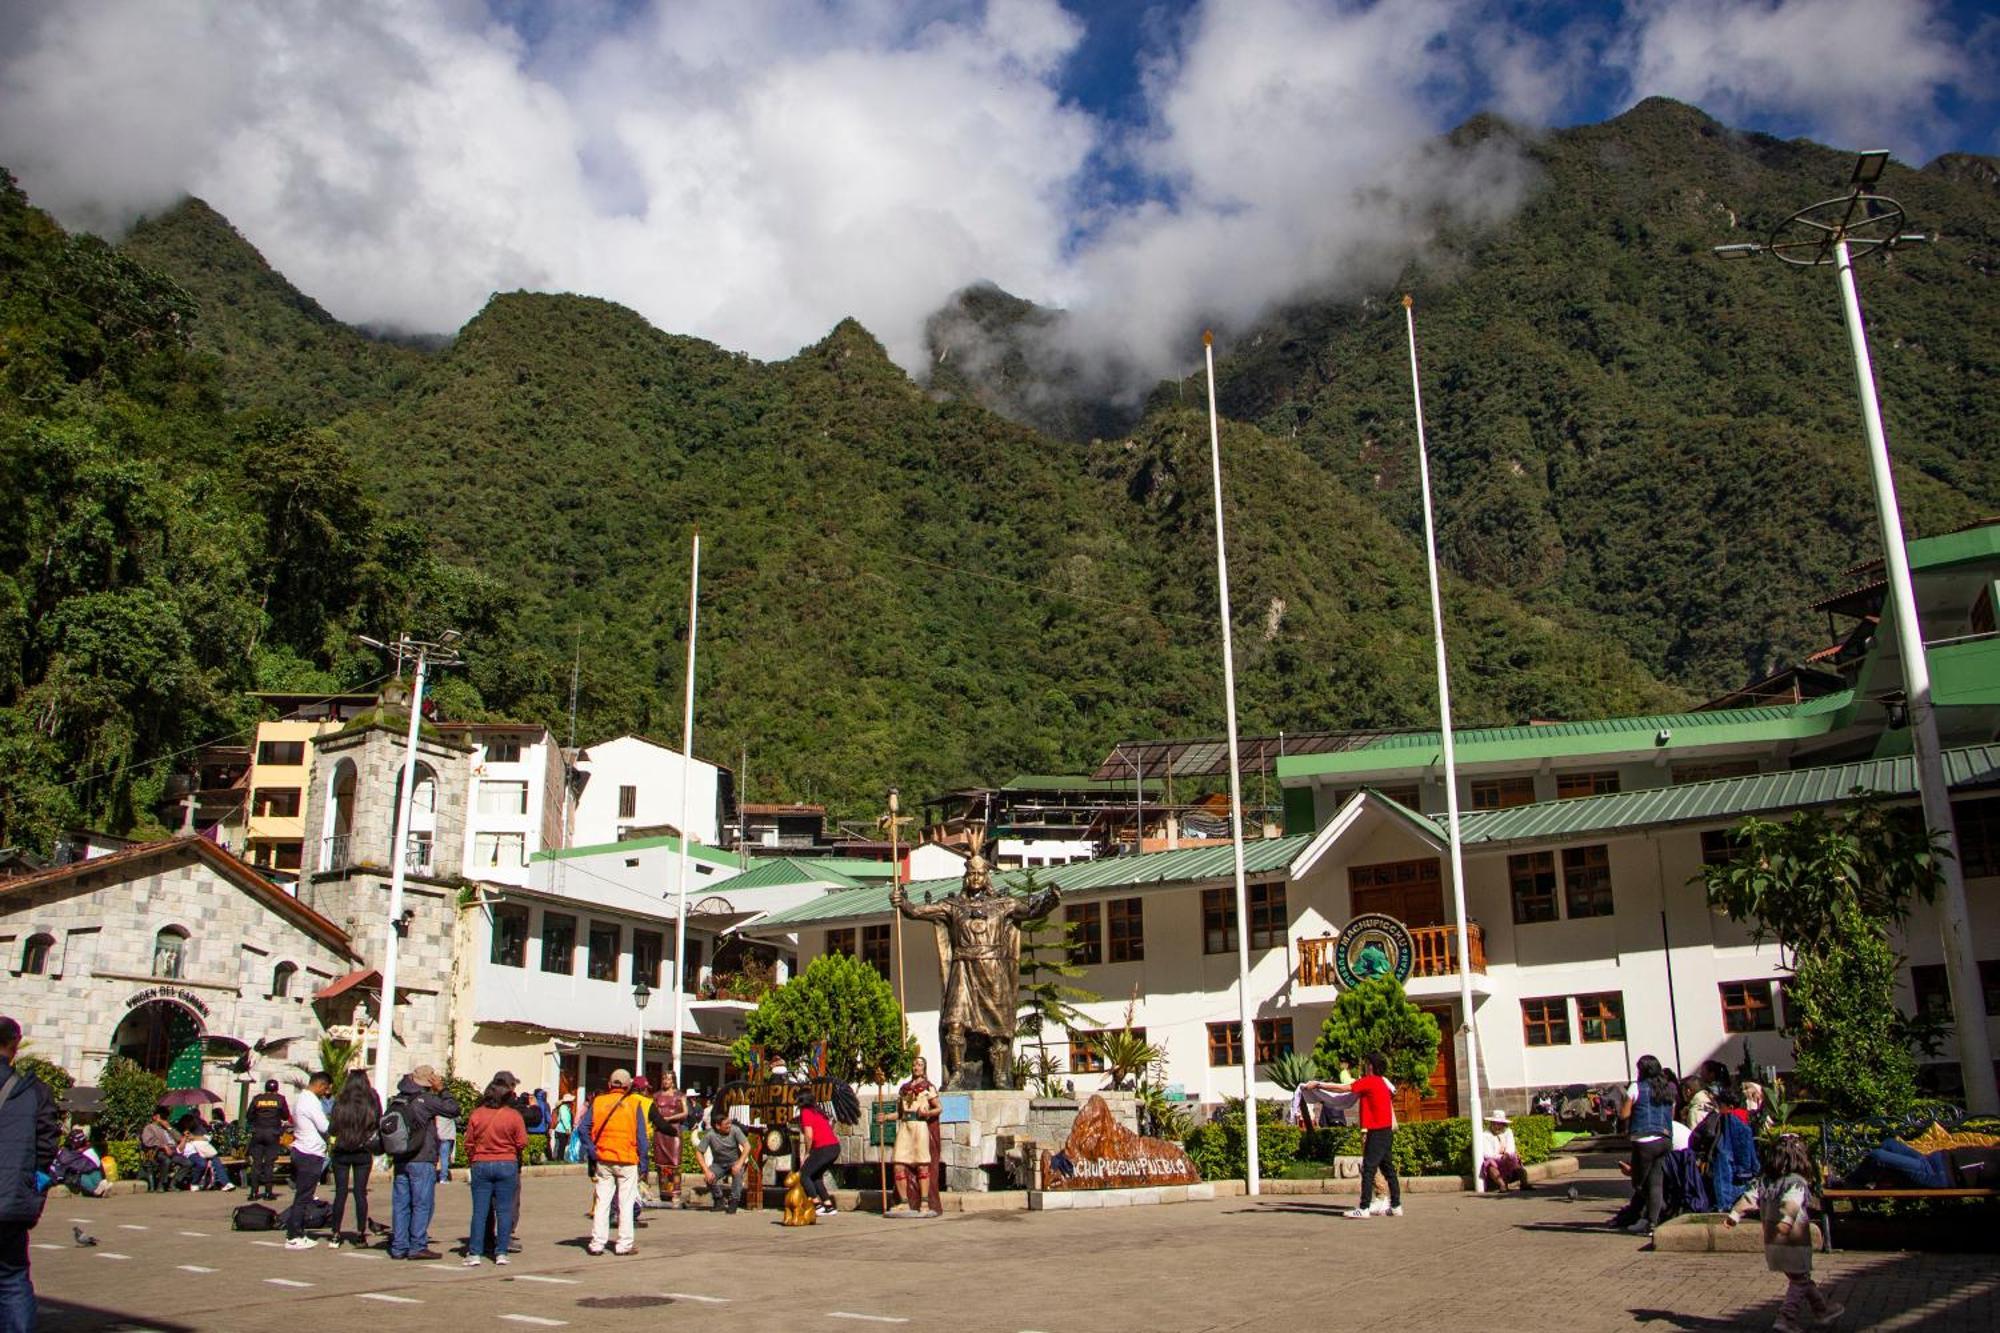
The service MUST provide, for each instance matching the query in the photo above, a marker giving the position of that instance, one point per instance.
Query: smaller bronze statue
(799, 1210)
(979, 947)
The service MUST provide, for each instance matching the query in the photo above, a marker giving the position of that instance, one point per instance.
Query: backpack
(318, 1214)
(397, 1128)
(254, 1217)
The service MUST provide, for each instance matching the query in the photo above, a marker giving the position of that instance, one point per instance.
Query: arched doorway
(163, 1038)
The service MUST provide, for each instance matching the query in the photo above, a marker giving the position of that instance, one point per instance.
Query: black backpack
(254, 1217)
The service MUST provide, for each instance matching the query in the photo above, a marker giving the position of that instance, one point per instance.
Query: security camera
(1662, 736)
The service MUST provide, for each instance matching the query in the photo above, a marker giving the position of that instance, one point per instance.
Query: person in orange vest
(614, 1135)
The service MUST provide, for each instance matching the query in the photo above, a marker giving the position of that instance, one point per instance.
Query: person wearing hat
(266, 1117)
(421, 1098)
(1499, 1160)
(614, 1135)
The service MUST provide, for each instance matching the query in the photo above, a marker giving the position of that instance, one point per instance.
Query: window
(1601, 1017)
(1274, 1039)
(1587, 881)
(1932, 986)
(1726, 768)
(1746, 1007)
(601, 962)
(875, 948)
(1978, 825)
(691, 966)
(510, 935)
(1086, 934)
(628, 802)
(841, 942)
(647, 948)
(1545, 1021)
(1570, 785)
(558, 942)
(503, 751)
(1532, 876)
(281, 980)
(170, 953)
(503, 798)
(1086, 1054)
(289, 754)
(1267, 915)
(1499, 793)
(35, 955)
(1718, 847)
(1218, 921)
(278, 802)
(1125, 930)
(288, 855)
(497, 851)
(1225, 1044)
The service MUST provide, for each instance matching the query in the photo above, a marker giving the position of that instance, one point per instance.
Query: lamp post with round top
(642, 995)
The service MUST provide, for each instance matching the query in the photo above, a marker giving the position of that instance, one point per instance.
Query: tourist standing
(916, 1154)
(725, 1156)
(267, 1116)
(1786, 1213)
(561, 1127)
(821, 1148)
(668, 1115)
(495, 1138)
(1376, 1100)
(309, 1149)
(30, 1136)
(1649, 1116)
(447, 1137)
(354, 1138)
(420, 1099)
(1499, 1159)
(614, 1128)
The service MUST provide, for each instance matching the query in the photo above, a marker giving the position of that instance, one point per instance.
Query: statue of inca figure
(979, 943)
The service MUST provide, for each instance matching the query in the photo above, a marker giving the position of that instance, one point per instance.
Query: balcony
(336, 852)
(1434, 971)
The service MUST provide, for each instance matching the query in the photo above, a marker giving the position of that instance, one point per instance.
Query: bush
(1534, 1135)
(1430, 1147)
(125, 1152)
(1221, 1152)
(1376, 1017)
(538, 1149)
(54, 1075)
(130, 1094)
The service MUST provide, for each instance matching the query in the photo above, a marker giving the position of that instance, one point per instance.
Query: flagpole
(687, 803)
(1246, 1006)
(1450, 756)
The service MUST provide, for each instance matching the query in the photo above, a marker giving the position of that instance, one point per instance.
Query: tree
(1829, 886)
(1375, 1017)
(844, 1003)
(1047, 1000)
(129, 1096)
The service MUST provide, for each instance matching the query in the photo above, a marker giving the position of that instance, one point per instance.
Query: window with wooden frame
(1500, 793)
(1931, 988)
(1218, 921)
(1225, 1044)
(558, 943)
(503, 751)
(510, 935)
(288, 855)
(1719, 846)
(601, 957)
(1586, 881)
(1680, 774)
(1086, 1053)
(875, 948)
(1125, 930)
(283, 754)
(35, 954)
(1086, 933)
(1601, 782)
(1545, 1021)
(1746, 1007)
(841, 942)
(648, 947)
(1267, 915)
(628, 802)
(1531, 877)
(276, 802)
(1274, 1039)
(1978, 835)
(1601, 1017)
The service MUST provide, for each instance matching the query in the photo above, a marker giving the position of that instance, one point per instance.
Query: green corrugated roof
(858, 868)
(1956, 548)
(1073, 782)
(696, 851)
(782, 870)
(1719, 799)
(1188, 865)
(1415, 750)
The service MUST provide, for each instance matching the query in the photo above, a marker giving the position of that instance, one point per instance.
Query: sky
(751, 172)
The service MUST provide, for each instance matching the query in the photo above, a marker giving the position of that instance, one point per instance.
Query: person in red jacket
(820, 1146)
(1378, 1139)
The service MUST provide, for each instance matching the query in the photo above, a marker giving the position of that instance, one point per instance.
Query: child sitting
(1788, 1235)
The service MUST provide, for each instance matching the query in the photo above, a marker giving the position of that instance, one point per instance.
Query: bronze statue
(979, 948)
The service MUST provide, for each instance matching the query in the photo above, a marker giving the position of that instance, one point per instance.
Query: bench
(1932, 1128)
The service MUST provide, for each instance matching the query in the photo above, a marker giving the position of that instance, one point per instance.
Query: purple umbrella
(190, 1097)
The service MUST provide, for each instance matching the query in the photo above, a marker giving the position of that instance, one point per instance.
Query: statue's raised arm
(917, 911)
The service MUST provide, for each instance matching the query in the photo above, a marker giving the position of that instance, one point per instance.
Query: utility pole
(442, 652)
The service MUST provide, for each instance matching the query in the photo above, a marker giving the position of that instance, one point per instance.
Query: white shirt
(1494, 1146)
(1682, 1135)
(308, 1126)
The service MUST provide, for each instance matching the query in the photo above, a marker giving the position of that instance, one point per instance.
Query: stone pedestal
(993, 1139)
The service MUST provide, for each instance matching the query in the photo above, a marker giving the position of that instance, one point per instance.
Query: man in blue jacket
(30, 1137)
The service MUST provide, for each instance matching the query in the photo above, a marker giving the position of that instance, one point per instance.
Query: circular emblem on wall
(1373, 945)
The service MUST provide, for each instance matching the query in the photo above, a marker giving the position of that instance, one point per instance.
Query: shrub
(125, 1152)
(538, 1149)
(844, 1003)
(1376, 1017)
(129, 1096)
(1220, 1150)
(54, 1075)
(1534, 1135)
(1430, 1147)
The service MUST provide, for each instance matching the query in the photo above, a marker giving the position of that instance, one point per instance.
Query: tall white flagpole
(687, 804)
(1246, 1006)
(1450, 758)
(385, 1054)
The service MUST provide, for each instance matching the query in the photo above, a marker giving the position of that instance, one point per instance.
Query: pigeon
(81, 1238)
(1570, 1194)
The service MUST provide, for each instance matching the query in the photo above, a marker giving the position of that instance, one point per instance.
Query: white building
(629, 783)
(519, 803)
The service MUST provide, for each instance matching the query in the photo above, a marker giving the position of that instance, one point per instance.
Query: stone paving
(1539, 1262)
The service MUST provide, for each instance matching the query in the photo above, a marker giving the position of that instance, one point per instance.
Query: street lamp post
(1834, 232)
(642, 995)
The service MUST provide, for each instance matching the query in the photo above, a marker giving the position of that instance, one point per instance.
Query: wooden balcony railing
(1436, 947)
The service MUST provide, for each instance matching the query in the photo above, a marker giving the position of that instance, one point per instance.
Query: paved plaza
(1534, 1262)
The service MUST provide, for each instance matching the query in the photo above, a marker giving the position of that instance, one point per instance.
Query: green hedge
(1219, 1148)
(126, 1153)
(538, 1151)
(1430, 1147)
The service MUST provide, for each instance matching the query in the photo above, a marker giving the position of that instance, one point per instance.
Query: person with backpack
(356, 1138)
(614, 1133)
(267, 1116)
(30, 1136)
(409, 1137)
(309, 1150)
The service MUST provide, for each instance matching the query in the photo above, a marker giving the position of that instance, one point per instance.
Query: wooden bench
(1844, 1143)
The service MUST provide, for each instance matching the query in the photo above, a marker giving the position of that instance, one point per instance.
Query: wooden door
(1410, 891)
(1442, 1103)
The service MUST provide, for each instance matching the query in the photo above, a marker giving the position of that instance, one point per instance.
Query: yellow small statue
(799, 1210)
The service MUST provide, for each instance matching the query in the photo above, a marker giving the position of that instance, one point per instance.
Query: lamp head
(641, 994)
(1868, 167)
